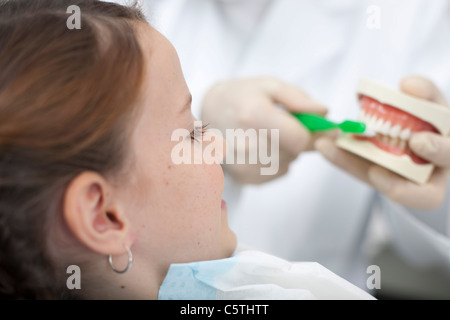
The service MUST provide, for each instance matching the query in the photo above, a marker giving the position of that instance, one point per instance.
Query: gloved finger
(428, 196)
(356, 166)
(315, 136)
(291, 97)
(398, 189)
(432, 147)
(293, 136)
(422, 88)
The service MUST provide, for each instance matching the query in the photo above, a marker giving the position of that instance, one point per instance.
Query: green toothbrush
(316, 123)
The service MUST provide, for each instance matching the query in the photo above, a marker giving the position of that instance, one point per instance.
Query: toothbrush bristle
(369, 133)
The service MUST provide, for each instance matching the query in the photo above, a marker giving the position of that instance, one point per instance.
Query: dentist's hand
(254, 103)
(433, 147)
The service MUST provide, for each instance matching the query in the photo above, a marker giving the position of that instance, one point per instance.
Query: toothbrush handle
(315, 122)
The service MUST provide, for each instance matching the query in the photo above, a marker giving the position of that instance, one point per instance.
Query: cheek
(185, 198)
(181, 218)
(198, 188)
(196, 200)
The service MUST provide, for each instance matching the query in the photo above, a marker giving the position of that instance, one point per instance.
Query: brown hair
(66, 97)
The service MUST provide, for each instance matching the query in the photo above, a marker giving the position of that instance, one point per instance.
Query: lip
(224, 205)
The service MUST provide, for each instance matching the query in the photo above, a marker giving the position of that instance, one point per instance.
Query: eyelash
(197, 131)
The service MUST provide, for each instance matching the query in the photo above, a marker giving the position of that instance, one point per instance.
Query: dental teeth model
(394, 116)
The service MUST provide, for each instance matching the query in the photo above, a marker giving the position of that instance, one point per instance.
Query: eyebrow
(187, 105)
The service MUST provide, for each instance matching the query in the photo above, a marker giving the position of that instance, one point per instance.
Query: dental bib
(253, 275)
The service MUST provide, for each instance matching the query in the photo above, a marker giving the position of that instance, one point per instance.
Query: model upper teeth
(384, 127)
(405, 134)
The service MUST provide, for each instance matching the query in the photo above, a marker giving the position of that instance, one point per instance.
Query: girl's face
(177, 210)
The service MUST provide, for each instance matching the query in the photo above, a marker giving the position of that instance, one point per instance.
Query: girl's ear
(93, 215)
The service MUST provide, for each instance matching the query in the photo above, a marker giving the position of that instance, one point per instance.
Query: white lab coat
(317, 212)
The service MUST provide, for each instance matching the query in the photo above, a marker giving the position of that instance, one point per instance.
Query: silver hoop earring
(130, 262)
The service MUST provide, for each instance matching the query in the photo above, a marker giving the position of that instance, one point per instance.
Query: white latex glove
(255, 103)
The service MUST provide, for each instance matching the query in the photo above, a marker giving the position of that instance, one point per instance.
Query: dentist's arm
(254, 103)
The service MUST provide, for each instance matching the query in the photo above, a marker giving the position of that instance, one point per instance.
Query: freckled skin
(177, 213)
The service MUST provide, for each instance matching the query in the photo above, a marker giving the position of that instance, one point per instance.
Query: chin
(231, 243)
(394, 116)
(229, 240)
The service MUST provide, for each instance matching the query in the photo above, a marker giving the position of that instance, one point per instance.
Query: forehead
(162, 63)
(164, 89)
(163, 84)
